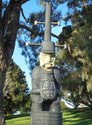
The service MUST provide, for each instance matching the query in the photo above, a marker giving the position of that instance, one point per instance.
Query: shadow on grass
(17, 116)
(77, 117)
(70, 117)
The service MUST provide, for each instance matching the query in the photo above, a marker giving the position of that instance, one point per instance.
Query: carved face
(47, 60)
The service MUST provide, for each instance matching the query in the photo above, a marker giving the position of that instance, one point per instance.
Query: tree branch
(20, 2)
(35, 33)
(30, 30)
(23, 15)
(54, 35)
(1, 23)
(84, 102)
(10, 27)
(0, 9)
(23, 1)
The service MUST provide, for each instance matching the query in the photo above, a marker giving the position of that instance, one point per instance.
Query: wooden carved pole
(46, 81)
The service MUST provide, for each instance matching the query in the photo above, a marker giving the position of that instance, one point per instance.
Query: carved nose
(48, 59)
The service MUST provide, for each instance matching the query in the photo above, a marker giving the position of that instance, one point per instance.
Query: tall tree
(78, 56)
(9, 25)
(16, 92)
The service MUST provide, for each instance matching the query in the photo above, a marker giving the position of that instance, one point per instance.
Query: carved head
(47, 60)
(47, 55)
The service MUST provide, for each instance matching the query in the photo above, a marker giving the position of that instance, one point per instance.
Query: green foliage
(65, 34)
(89, 84)
(16, 92)
(78, 56)
(62, 105)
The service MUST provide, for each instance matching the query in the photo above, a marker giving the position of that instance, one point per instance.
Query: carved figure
(46, 82)
(46, 89)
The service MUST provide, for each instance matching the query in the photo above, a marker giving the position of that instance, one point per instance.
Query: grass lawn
(70, 117)
(75, 117)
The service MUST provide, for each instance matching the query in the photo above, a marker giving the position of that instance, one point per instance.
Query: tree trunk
(7, 44)
(2, 79)
(9, 25)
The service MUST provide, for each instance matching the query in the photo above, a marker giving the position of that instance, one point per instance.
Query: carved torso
(46, 82)
(47, 86)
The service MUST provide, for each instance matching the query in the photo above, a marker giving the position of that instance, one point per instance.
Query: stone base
(46, 118)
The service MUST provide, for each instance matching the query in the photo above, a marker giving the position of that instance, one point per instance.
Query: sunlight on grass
(70, 117)
(75, 117)
(19, 121)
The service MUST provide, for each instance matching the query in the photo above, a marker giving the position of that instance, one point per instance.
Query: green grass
(23, 119)
(70, 117)
(75, 117)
